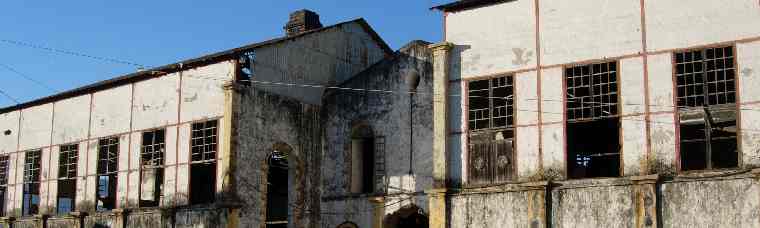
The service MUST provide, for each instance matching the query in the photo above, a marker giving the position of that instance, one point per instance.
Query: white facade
(502, 39)
(124, 112)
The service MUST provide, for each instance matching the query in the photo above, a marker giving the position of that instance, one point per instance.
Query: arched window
(409, 216)
(362, 159)
(348, 225)
(277, 186)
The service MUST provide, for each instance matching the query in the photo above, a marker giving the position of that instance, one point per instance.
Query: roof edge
(186, 64)
(466, 5)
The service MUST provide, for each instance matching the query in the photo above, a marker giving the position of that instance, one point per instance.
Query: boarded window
(491, 137)
(67, 174)
(203, 167)
(593, 127)
(32, 168)
(151, 167)
(706, 95)
(3, 184)
(107, 173)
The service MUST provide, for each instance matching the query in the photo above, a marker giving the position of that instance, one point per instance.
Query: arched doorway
(278, 186)
(362, 159)
(407, 217)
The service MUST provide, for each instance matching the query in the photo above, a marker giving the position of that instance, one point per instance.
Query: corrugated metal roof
(191, 63)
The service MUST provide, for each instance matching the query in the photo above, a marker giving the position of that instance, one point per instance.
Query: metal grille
(108, 156)
(592, 91)
(204, 141)
(4, 170)
(490, 103)
(153, 148)
(32, 166)
(67, 163)
(706, 75)
(380, 164)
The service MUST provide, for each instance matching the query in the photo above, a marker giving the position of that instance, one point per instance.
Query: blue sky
(158, 32)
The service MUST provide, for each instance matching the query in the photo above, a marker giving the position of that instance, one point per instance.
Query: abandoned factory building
(597, 113)
(529, 113)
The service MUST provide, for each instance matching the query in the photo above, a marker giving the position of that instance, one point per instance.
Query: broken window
(203, 166)
(367, 161)
(491, 135)
(593, 124)
(67, 174)
(278, 187)
(32, 168)
(706, 88)
(107, 172)
(3, 183)
(152, 167)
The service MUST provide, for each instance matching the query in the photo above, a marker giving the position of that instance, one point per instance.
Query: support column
(437, 195)
(229, 147)
(378, 213)
(645, 188)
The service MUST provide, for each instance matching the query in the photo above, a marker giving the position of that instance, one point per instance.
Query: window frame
(66, 174)
(570, 164)
(207, 162)
(491, 131)
(153, 157)
(31, 180)
(687, 112)
(111, 175)
(4, 177)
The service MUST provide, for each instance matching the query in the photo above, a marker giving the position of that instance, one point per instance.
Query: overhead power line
(11, 69)
(9, 97)
(72, 53)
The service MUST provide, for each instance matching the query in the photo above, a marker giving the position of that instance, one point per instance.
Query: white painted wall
(591, 29)
(672, 24)
(122, 112)
(494, 39)
(487, 40)
(35, 127)
(9, 121)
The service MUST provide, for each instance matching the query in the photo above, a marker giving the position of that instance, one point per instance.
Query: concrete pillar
(378, 213)
(645, 188)
(538, 205)
(437, 195)
(229, 146)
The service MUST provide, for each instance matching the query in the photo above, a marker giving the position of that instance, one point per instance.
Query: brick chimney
(302, 21)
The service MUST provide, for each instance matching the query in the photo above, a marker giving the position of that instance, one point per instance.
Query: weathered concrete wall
(267, 119)
(593, 206)
(501, 39)
(327, 58)
(711, 203)
(388, 115)
(496, 209)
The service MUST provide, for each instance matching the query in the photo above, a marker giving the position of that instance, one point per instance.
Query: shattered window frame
(67, 178)
(152, 155)
(31, 189)
(107, 173)
(705, 84)
(3, 183)
(204, 150)
(491, 123)
(592, 105)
